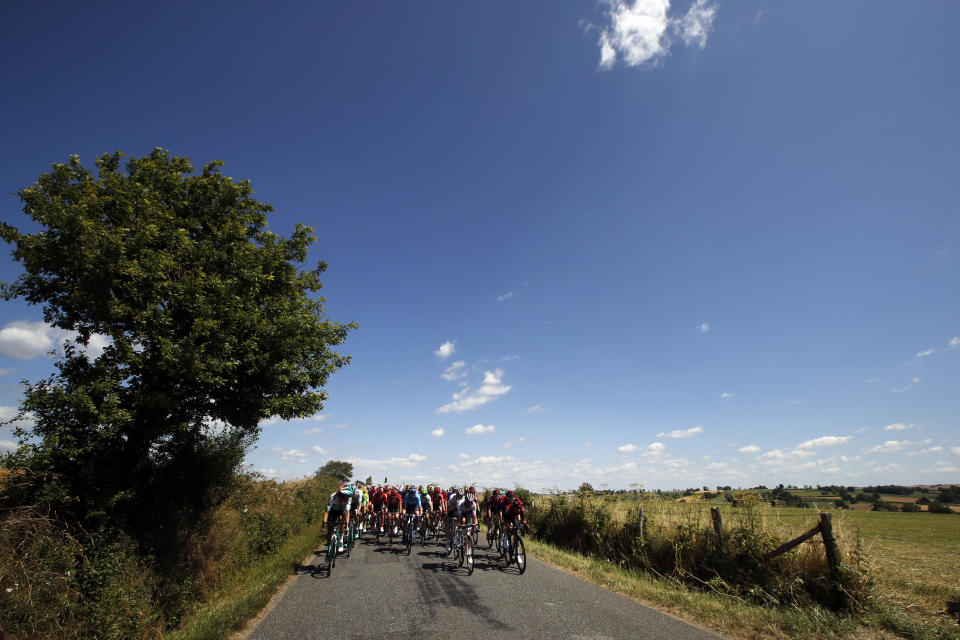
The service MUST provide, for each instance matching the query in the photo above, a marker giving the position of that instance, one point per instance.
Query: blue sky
(665, 245)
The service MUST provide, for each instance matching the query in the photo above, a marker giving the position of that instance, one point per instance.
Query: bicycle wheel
(520, 554)
(476, 535)
(332, 553)
(377, 523)
(468, 551)
(460, 555)
(489, 538)
(408, 538)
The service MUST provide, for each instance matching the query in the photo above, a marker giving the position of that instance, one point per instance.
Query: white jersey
(466, 507)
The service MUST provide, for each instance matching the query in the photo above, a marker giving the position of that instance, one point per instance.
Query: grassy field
(913, 560)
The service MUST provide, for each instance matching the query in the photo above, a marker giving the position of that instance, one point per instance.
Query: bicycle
(493, 536)
(513, 549)
(463, 545)
(410, 531)
(334, 544)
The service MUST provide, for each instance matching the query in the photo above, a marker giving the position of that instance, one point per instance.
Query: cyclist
(378, 500)
(394, 501)
(454, 498)
(426, 501)
(338, 509)
(513, 513)
(411, 505)
(355, 507)
(491, 505)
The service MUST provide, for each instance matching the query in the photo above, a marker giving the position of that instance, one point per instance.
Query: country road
(379, 592)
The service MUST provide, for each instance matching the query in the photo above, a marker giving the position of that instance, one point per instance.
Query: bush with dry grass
(679, 543)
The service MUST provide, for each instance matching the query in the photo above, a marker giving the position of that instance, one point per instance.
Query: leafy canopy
(210, 328)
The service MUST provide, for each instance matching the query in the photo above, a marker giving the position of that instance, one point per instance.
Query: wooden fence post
(830, 541)
(640, 522)
(717, 524)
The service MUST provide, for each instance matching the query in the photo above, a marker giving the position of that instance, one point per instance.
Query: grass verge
(245, 592)
(734, 617)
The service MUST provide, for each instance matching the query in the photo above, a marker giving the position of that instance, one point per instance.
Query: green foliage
(211, 328)
(585, 488)
(54, 584)
(936, 506)
(882, 505)
(339, 469)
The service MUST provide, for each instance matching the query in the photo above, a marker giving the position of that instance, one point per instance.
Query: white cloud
(696, 24)
(26, 340)
(913, 381)
(290, 455)
(726, 396)
(955, 450)
(954, 342)
(862, 429)
(410, 461)
(537, 408)
(896, 445)
(6, 372)
(640, 32)
(314, 431)
(825, 441)
(650, 450)
(924, 354)
(479, 429)
(506, 296)
(454, 371)
(750, 448)
(778, 455)
(438, 433)
(469, 398)
(7, 414)
(318, 449)
(8, 445)
(446, 350)
(681, 433)
(342, 427)
(704, 327)
(463, 456)
(899, 426)
(932, 450)
(270, 473)
(509, 358)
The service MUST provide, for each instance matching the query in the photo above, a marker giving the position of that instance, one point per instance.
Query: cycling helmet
(347, 490)
(423, 490)
(496, 492)
(509, 494)
(471, 490)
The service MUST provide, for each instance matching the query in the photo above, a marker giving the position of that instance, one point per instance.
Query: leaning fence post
(717, 524)
(829, 541)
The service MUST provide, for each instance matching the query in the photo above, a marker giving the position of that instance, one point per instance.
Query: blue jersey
(411, 500)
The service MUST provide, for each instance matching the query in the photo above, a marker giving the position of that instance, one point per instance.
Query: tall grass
(679, 544)
(56, 582)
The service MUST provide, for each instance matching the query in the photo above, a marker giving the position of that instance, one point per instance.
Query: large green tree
(212, 327)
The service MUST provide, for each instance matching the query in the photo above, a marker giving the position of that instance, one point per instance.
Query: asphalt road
(379, 592)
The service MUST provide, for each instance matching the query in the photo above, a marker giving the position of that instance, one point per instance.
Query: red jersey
(393, 498)
(513, 508)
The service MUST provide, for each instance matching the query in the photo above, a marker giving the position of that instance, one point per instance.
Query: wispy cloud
(640, 32)
(680, 433)
(899, 426)
(726, 396)
(750, 448)
(506, 296)
(913, 381)
(891, 446)
(446, 350)
(703, 327)
(924, 354)
(778, 455)
(537, 408)
(438, 432)
(954, 342)
(8, 445)
(469, 398)
(955, 450)
(653, 449)
(317, 417)
(479, 429)
(6, 372)
(314, 431)
(509, 358)
(825, 441)
(290, 455)
(455, 371)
